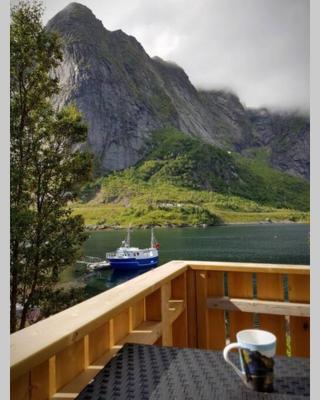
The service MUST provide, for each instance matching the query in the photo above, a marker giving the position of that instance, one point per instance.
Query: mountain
(283, 141)
(188, 162)
(185, 182)
(125, 96)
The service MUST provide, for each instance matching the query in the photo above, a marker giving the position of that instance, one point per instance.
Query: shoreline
(98, 228)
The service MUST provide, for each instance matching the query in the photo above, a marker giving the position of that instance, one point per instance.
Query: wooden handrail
(38, 342)
(249, 267)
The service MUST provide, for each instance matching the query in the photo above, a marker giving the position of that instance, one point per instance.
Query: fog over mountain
(256, 48)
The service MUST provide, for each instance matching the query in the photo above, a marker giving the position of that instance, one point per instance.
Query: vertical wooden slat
(240, 286)
(202, 309)
(270, 287)
(52, 376)
(191, 306)
(216, 319)
(179, 326)
(20, 388)
(153, 306)
(299, 288)
(299, 291)
(137, 313)
(40, 382)
(69, 363)
(120, 326)
(86, 351)
(179, 331)
(111, 333)
(158, 342)
(130, 319)
(98, 342)
(166, 325)
(178, 287)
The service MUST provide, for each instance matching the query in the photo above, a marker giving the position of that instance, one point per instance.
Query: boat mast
(152, 238)
(128, 237)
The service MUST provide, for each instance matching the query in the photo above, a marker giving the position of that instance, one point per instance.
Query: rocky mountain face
(125, 95)
(283, 140)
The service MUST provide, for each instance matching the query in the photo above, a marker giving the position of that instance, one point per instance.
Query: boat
(133, 258)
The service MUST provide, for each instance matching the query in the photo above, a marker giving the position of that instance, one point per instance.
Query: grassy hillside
(183, 181)
(191, 163)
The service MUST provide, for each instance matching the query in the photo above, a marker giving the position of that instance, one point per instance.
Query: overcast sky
(257, 48)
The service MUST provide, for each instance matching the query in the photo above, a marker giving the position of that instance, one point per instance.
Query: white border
(315, 198)
(4, 202)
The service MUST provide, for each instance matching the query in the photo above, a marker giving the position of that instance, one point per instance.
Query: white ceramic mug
(256, 350)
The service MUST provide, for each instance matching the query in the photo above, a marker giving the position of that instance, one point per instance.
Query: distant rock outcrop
(284, 138)
(125, 95)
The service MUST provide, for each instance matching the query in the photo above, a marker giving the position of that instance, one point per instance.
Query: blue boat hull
(133, 263)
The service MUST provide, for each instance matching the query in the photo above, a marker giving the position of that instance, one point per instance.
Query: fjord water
(263, 243)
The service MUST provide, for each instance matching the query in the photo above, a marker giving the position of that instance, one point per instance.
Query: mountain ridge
(125, 95)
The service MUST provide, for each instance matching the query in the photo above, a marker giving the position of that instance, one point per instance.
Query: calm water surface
(272, 243)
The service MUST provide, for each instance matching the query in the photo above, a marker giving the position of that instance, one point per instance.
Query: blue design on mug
(258, 370)
(256, 351)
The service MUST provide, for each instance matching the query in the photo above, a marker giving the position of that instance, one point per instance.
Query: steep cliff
(125, 95)
(104, 74)
(283, 139)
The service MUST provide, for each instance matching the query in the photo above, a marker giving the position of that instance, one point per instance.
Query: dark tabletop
(156, 372)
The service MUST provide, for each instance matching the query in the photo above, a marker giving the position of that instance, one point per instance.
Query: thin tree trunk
(24, 316)
(13, 302)
(27, 303)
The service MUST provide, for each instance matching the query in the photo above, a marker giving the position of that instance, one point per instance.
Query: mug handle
(225, 356)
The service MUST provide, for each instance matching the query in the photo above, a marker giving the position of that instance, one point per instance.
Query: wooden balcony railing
(182, 303)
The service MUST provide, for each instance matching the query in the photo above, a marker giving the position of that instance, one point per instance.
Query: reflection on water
(272, 243)
(117, 277)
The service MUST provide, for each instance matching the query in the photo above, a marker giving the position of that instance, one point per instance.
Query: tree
(46, 171)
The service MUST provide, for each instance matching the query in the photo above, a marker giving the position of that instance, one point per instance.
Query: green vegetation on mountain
(183, 181)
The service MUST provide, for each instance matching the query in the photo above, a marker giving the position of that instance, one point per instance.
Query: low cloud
(257, 48)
